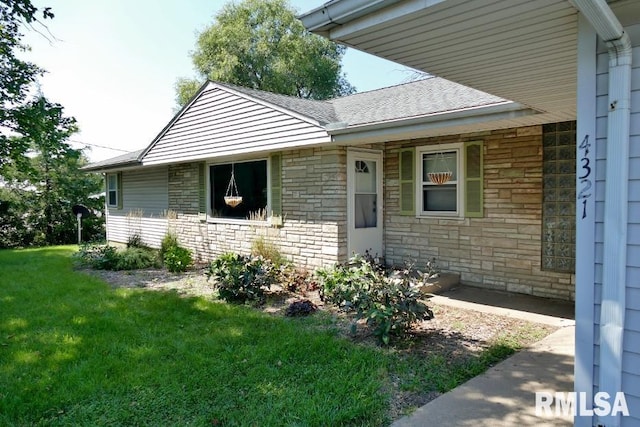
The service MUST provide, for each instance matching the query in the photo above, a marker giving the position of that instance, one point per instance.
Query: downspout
(613, 301)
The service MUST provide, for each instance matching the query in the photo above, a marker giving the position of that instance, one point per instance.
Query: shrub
(135, 258)
(296, 280)
(261, 247)
(391, 305)
(106, 257)
(300, 308)
(241, 278)
(170, 240)
(135, 241)
(177, 259)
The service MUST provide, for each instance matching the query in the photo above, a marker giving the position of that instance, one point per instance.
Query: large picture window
(252, 183)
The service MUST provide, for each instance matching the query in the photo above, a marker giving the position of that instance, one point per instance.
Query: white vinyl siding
(145, 200)
(220, 123)
(631, 345)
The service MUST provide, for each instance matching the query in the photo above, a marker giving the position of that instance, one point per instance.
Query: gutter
(343, 133)
(613, 301)
(337, 12)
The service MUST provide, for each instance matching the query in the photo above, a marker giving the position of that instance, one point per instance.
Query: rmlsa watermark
(575, 404)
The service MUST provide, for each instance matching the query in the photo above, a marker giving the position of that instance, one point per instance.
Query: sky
(113, 64)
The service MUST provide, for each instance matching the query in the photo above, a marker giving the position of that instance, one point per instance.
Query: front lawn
(77, 351)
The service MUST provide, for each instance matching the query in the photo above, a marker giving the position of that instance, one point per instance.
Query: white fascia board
(322, 19)
(467, 116)
(377, 17)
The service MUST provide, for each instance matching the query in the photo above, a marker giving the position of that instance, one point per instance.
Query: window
(461, 196)
(252, 183)
(559, 195)
(113, 190)
(443, 198)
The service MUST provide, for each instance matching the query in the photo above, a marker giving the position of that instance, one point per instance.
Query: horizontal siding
(222, 123)
(631, 344)
(145, 190)
(150, 230)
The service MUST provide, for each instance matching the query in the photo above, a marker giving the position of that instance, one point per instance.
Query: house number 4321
(584, 175)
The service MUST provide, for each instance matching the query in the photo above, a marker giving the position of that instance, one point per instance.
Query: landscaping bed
(436, 356)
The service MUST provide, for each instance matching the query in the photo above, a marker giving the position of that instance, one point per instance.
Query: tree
(16, 76)
(260, 44)
(40, 190)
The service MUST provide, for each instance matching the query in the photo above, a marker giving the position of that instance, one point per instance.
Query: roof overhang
(521, 50)
(469, 120)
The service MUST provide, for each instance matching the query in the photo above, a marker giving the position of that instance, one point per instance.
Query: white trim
(585, 227)
(378, 157)
(108, 190)
(458, 147)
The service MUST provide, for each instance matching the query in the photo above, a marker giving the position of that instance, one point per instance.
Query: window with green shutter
(462, 194)
(114, 190)
(407, 181)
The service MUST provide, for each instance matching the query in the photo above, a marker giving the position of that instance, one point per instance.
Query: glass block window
(559, 195)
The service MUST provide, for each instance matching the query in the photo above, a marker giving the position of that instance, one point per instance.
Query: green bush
(390, 304)
(106, 257)
(261, 247)
(177, 259)
(170, 240)
(241, 278)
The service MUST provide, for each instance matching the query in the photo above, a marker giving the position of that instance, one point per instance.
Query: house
(567, 60)
(325, 179)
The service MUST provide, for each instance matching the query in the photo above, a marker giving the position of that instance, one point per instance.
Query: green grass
(75, 352)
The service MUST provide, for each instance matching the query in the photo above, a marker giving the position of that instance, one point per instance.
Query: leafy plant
(390, 304)
(177, 259)
(300, 308)
(241, 278)
(261, 247)
(106, 257)
(170, 240)
(296, 280)
(135, 241)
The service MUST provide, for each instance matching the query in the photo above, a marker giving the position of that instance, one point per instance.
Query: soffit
(521, 50)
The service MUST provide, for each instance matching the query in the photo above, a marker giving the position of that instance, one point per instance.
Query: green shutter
(276, 184)
(473, 180)
(202, 185)
(407, 182)
(119, 179)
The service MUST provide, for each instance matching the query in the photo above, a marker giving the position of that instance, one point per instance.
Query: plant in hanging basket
(440, 178)
(233, 201)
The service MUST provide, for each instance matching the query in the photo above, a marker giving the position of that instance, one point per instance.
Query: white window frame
(240, 221)
(109, 190)
(435, 149)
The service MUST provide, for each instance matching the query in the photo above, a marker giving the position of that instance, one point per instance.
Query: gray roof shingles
(431, 95)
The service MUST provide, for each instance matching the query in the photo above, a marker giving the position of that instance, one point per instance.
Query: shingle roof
(121, 160)
(405, 101)
(423, 97)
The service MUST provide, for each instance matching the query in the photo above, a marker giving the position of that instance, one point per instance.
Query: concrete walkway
(505, 394)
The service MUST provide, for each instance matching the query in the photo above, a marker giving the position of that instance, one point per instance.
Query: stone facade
(500, 251)
(314, 209)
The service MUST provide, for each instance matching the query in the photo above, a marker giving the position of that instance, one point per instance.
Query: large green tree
(261, 44)
(39, 191)
(16, 75)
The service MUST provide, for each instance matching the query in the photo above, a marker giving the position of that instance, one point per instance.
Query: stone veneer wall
(500, 251)
(314, 205)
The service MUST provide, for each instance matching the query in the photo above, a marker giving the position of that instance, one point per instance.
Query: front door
(364, 205)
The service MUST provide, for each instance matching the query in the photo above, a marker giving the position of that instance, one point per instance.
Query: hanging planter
(232, 197)
(440, 178)
(444, 175)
